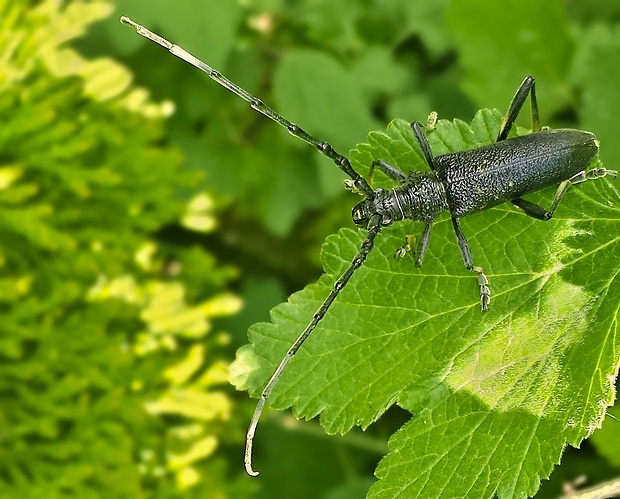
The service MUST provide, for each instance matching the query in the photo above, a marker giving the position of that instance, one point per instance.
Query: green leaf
(95, 330)
(495, 396)
(607, 439)
(428, 20)
(502, 42)
(312, 88)
(596, 70)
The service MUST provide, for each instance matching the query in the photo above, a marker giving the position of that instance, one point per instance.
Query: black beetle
(462, 183)
(466, 182)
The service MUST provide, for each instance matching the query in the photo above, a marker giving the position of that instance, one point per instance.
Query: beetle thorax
(420, 197)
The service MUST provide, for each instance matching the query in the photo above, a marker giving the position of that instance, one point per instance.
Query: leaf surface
(494, 396)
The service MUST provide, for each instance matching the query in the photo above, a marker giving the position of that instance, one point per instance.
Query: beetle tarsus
(485, 291)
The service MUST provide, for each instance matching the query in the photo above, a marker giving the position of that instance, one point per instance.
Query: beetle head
(362, 212)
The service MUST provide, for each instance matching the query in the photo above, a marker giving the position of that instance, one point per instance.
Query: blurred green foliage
(110, 380)
(123, 224)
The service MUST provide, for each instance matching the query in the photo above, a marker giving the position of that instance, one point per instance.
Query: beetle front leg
(390, 170)
(420, 251)
(385, 167)
(405, 248)
(483, 282)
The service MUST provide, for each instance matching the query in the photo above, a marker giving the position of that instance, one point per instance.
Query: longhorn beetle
(462, 183)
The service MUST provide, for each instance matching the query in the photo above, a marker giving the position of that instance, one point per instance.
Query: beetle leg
(420, 251)
(483, 282)
(390, 170)
(423, 244)
(423, 143)
(418, 130)
(527, 87)
(538, 212)
(406, 247)
(592, 174)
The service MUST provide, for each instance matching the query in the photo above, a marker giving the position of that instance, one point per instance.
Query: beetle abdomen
(480, 178)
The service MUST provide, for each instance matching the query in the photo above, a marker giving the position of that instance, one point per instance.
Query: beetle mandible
(460, 183)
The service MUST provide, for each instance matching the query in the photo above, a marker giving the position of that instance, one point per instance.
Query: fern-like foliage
(97, 333)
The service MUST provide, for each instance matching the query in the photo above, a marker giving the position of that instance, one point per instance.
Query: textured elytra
(484, 177)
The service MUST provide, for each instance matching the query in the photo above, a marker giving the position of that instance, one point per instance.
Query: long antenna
(374, 226)
(342, 162)
(357, 184)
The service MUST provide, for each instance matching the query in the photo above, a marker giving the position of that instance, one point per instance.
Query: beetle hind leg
(592, 174)
(536, 211)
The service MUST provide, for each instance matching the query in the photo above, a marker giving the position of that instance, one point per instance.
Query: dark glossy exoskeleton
(481, 178)
(466, 182)
(461, 183)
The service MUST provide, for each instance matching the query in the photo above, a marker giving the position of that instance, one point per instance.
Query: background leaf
(515, 38)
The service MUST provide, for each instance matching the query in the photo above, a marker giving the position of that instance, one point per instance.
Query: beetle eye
(359, 215)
